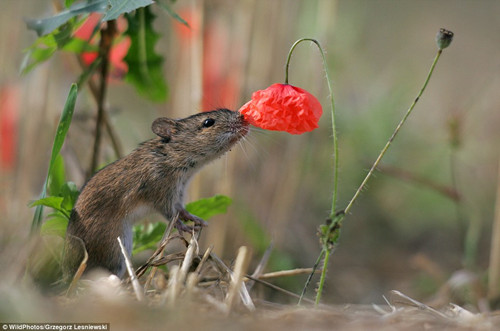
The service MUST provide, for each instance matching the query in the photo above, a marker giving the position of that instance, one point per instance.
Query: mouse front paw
(185, 216)
(181, 227)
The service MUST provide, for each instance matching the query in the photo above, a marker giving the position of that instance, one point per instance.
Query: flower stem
(326, 250)
(330, 231)
(322, 279)
(396, 131)
(332, 104)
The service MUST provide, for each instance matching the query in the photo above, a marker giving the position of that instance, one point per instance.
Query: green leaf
(69, 191)
(78, 46)
(45, 46)
(171, 12)
(47, 25)
(57, 176)
(147, 236)
(34, 57)
(145, 67)
(119, 7)
(208, 207)
(64, 123)
(63, 35)
(41, 50)
(68, 3)
(62, 130)
(51, 202)
(55, 226)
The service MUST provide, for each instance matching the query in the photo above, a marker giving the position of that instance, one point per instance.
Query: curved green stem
(330, 232)
(325, 251)
(332, 104)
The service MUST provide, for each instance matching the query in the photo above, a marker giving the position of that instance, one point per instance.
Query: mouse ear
(163, 127)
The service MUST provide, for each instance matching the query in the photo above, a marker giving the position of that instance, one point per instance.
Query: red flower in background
(9, 97)
(220, 79)
(118, 52)
(283, 107)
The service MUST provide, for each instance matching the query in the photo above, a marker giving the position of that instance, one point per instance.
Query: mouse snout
(244, 125)
(238, 128)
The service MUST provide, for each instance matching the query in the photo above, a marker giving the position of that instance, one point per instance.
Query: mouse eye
(208, 122)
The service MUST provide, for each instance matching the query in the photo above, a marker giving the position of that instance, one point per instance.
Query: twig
(158, 253)
(260, 267)
(81, 267)
(245, 296)
(192, 250)
(397, 297)
(309, 279)
(138, 290)
(178, 275)
(115, 142)
(286, 273)
(279, 289)
(204, 259)
(173, 287)
(157, 262)
(237, 285)
(107, 35)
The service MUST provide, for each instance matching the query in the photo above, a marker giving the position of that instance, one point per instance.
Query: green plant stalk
(332, 105)
(333, 233)
(325, 250)
(309, 278)
(107, 36)
(62, 130)
(323, 275)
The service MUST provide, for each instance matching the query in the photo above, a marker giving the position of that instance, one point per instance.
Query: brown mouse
(152, 178)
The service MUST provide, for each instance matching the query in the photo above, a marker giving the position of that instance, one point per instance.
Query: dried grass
(200, 291)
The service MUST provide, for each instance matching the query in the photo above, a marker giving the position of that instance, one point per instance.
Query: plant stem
(322, 279)
(325, 251)
(107, 35)
(85, 77)
(330, 232)
(308, 281)
(396, 131)
(332, 104)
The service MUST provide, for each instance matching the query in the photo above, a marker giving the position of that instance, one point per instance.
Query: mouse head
(205, 134)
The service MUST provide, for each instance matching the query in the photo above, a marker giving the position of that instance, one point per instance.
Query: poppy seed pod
(444, 38)
(283, 107)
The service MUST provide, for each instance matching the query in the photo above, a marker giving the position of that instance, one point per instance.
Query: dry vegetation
(424, 225)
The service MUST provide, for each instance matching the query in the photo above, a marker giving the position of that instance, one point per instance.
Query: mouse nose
(242, 119)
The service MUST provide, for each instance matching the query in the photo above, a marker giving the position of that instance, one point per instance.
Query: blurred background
(426, 215)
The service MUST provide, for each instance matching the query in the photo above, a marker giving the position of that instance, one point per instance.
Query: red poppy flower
(283, 107)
